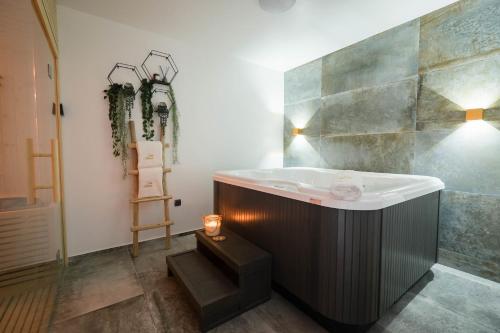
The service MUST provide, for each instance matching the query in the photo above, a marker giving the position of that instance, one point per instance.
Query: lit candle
(212, 224)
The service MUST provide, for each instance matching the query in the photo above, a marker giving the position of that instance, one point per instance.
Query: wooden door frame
(44, 22)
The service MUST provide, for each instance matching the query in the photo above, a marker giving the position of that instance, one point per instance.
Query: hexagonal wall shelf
(119, 66)
(166, 69)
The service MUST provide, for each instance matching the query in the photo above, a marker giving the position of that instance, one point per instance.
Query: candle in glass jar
(212, 224)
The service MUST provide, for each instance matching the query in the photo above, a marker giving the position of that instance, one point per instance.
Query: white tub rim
(420, 186)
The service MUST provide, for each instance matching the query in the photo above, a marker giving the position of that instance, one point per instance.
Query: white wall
(231, 117)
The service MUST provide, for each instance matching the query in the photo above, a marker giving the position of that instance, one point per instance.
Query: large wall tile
(387, 57)
(436, 111)
(469, 224)
(462, 30)
(445, 93)
(302, 151)
(465, 159)
(392, 153)
(472, 265)
(303, 83)
(383, 109)
(494, 113)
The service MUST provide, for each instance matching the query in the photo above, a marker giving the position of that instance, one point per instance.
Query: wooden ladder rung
(44, 187)
(42, 155)
(136, 172)
(150, 226)
(134, 145)
(165, 197)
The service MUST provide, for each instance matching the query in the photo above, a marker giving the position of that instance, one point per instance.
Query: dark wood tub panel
(409, 245)
(277, 225)
(348, 266)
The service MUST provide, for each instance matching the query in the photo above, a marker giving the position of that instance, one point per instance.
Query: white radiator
(29, 236)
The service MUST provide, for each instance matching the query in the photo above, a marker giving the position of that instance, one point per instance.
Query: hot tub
(344, 261)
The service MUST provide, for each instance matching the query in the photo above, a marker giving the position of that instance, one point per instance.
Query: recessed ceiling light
(276, 6)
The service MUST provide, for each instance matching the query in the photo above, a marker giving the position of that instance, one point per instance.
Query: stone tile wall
(395, 103)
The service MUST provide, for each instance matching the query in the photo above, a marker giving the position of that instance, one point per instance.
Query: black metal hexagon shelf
(169, 101)
(166, 65)
(119, 66)
(167, 92)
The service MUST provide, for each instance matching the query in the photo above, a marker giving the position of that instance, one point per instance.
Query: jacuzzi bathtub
(312, 185)
(345, 261)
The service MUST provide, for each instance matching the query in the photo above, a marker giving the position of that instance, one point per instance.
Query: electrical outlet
(177, 202)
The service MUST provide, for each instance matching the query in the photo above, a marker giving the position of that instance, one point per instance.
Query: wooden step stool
(223, 279)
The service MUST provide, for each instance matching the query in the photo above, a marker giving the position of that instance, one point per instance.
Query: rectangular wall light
(474, 114)
(297, 131)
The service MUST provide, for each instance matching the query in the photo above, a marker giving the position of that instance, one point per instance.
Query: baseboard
(116, 248)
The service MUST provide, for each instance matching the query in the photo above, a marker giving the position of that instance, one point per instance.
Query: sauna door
(30, 204)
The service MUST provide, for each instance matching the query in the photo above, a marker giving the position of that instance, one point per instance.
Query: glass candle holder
(212, 224)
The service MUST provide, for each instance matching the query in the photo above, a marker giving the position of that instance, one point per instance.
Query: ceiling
(311, 29)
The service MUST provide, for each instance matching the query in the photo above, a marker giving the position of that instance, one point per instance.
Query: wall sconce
(297, 131)
(474, 114)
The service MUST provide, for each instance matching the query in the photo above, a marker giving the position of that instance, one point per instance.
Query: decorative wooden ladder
(136, 227)
(54, 158)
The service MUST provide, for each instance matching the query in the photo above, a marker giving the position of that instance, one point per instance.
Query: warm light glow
(297, 131)
(212, 224)
(245, 216)
(473, 86)
(300, 119)
(477, 133)
(463, 156)
(300, 149)
(474, 114)
(469, 139)
(483, 97)
(300, 142)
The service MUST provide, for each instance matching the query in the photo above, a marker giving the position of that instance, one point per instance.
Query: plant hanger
(155, 81)
(169, 67)
(120, 65)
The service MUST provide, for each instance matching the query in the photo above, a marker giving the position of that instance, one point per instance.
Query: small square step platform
(222, 279)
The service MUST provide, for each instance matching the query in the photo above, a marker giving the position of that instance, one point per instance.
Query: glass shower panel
(30, 212)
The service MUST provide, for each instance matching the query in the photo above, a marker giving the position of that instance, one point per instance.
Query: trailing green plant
(175, 126)
(129, 94)
(147, 109)
(121, 101)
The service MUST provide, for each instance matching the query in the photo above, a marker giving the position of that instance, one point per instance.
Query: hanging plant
(147, 109)
(175, 126)
(129, 94)
(121, 101)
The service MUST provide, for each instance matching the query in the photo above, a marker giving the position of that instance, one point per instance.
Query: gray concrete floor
(112, 292)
